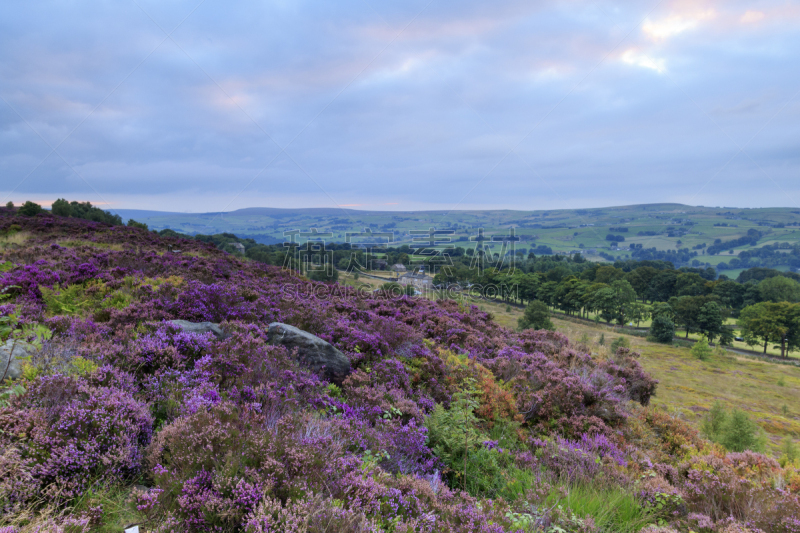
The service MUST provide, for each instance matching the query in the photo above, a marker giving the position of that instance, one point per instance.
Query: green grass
(118, 508)
(612, 509)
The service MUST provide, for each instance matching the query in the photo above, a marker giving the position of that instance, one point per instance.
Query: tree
(662, 286)
(690, 284)
(662, 328)
(546, 292)
(329, 275)
(29, 209)
(10, 204)
(740, 433)
(608, 274)
(536, 316)
(613, 301)
(61, 208)
(729, 293)
(640, 279)
(662, 309)
(772, 322)
(636, 312)
(687, 311)
(710, 320)
(779, 289)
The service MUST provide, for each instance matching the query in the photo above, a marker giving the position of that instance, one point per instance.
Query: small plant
(620, 342)
(7, 394)
(82, 367)
(452, 431)
(781, 382)
(508, 308)
(370, 460)
(785, 410)
(702, 350)
(584, 338)
(790, 451)
(602, 341)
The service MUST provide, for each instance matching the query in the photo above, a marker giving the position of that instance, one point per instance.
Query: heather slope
(446, 422)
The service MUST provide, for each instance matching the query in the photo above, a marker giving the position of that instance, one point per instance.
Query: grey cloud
(373, 117)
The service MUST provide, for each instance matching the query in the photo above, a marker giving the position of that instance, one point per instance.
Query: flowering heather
(234, 434)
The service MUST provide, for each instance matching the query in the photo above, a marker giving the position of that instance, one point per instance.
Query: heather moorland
(444, 421)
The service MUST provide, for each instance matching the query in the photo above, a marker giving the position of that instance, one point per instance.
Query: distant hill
(685, 232)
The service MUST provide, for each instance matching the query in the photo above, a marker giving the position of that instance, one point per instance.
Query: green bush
(734, 430)
(133, 224)
(789, 450)
(84, 210)
(537, 316)
(30, 209)
(61, 208)
(662, 329)
(702, 350)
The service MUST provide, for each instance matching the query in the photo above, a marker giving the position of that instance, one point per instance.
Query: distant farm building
(238, 247)
(399, 268)
(418, 281)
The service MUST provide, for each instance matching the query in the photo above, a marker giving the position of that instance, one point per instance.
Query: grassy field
(768, 392)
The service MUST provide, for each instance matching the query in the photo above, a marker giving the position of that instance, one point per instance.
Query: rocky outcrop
(320, 355)
(16, 351)
(200, 327)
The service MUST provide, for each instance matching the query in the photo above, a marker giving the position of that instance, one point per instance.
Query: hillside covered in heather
(443, 422)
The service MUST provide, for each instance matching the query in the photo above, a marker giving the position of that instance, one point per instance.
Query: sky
(202, 105)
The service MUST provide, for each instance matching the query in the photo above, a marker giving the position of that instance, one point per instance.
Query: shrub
(139, 225)
(29, 209)
(738, 488)
(537, 316)
(740, 433)
(64, 435)
(790, 452)
(453, 433)
(61, 208)
(662, 329)
(215, 466)
(701, 349)
(734, 430)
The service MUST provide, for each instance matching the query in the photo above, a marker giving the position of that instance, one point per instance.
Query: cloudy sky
(207, 105)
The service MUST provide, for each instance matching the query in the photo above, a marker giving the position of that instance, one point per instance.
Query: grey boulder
(15, 351)
(318, 354)
(200, 327)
